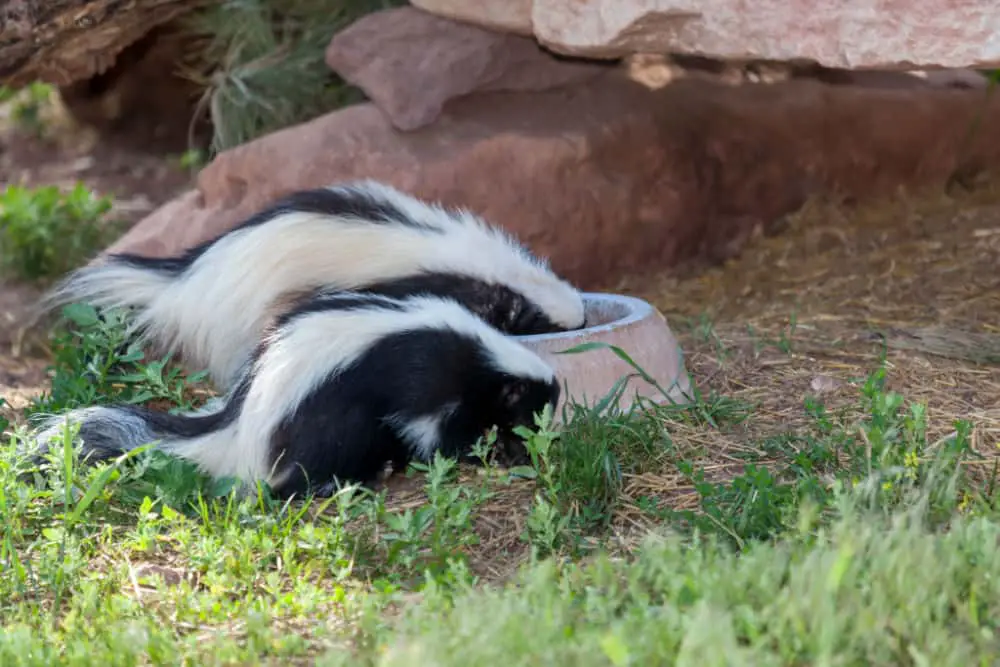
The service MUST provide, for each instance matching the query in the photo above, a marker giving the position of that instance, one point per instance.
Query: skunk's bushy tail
(116, 283)
(112, 283)
(111, 430)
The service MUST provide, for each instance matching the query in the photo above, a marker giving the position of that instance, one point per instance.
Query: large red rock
(410, 63)
(610, 176)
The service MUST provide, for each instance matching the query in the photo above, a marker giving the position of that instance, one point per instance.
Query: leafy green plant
(191, 160)
(884, 457)
(547, 521)
(45, 232)
(433, 539)
(96, 362)
(27, 105)
(895, 458)
(865, 591)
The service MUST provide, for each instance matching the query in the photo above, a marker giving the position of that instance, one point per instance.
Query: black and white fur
(345, 383)
(212, 303)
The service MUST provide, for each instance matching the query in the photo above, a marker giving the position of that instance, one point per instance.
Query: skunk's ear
(513, 393)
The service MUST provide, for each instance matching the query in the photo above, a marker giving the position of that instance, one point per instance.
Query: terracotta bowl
(634, 326)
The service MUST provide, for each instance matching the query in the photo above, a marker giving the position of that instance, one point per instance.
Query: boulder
(409, 63)
(894, 34)
(610, 177)
(500, 15)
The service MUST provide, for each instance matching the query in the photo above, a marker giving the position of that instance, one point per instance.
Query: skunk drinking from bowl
(343, 384)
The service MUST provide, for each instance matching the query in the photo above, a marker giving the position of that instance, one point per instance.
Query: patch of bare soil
(20, 374)
(65, 155)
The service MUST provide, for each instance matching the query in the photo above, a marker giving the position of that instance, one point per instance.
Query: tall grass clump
(262, 64)
(867, 589)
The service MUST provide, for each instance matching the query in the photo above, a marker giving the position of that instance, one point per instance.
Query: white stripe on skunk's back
(299, 249)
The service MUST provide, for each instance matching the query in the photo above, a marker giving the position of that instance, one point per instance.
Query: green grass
(863, 591)
(46, 231)
(262, 66)
(856, 540)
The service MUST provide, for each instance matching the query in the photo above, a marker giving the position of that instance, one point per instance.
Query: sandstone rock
(894, 34)
(610, 177)
(616, 28)
(950, 78)
(502, 15)
(409, 63)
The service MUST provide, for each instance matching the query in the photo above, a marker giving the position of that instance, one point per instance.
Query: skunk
(343, 384)
(212, 302)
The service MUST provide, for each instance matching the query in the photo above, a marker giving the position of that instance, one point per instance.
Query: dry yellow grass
(919, 274)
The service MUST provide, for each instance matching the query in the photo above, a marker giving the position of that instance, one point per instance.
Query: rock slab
(499, 15)
(409, 63)
(876, 34)
(611, 177)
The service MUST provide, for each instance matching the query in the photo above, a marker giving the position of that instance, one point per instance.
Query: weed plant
(45, 231)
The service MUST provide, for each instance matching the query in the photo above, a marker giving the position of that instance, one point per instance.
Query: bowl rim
(637, 308)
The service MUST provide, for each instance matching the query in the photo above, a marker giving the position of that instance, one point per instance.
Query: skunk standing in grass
(213, 302)
(343, 384)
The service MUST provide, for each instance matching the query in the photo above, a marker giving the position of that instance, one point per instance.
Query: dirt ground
(64, 156)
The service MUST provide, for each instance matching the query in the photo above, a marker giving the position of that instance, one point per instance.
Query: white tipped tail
(110, 284)
(106, 430)
(200, 436)
(116, 284)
